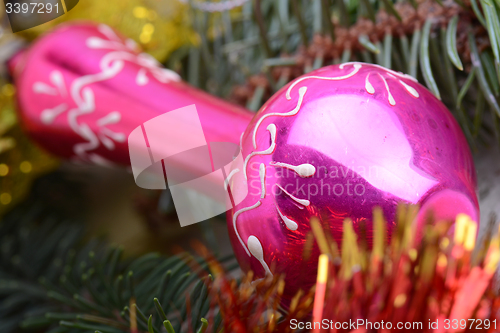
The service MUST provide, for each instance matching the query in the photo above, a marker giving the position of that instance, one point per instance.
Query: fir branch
(49, 280)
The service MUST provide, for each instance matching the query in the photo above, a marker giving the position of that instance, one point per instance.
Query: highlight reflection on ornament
(334, 144)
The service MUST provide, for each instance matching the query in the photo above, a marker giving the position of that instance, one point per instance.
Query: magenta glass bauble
(335, 143)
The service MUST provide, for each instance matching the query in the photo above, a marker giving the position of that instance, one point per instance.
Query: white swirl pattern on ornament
(412, 91)
(389, 71)
(356, 66)
(302, 92)
(262, 174)
(255, 248)
(408, 88)
(390, 98)
(272, 129)
(235, 218)
(303, 170)
(369, 88)
(297, 200)
(83, 96)
(49, 115)
(290, 224)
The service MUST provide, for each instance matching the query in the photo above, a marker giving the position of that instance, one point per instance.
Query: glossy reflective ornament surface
(334, 144)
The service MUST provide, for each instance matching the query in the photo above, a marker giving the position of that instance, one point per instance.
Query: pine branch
(51, 279)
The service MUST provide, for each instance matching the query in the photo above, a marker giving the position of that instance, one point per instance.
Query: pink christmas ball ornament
(333, 144)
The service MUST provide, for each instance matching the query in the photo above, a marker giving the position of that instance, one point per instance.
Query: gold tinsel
(20, 160)
(159, 26)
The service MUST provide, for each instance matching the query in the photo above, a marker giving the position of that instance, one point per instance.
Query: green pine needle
(483, 84)
(168, 326)
(67, 299)
(363, 40)
(451, 43)
(425, 62)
